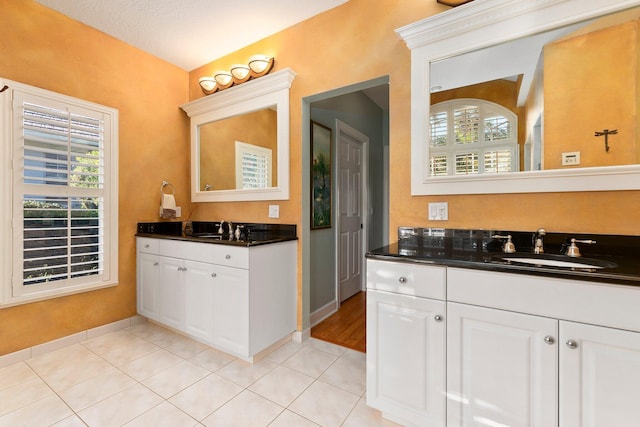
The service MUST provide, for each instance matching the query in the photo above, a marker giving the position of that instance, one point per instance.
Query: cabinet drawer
(231, 256)
(192, 251)
(406, 278)
(147, 245)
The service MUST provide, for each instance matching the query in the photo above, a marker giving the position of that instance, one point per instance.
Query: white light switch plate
(274, 211)
(439, 211)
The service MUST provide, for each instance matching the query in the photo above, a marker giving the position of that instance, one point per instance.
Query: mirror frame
(478, 25)
(268, 91)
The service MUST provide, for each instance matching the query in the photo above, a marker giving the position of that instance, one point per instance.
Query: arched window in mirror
(472, 136)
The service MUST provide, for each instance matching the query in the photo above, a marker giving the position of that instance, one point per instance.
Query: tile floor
(146, 375)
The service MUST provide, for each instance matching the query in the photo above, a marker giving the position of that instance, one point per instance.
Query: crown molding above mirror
(479, 25)
(270, 91)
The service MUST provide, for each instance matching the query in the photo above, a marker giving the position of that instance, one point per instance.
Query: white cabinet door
(501, 368)
(171, 292)
(406, 358)
(231, 310)
(147, 286)
(199, 279)
(599, 376)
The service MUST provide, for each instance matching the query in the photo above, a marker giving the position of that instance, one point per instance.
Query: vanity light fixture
(223, 78)
(208, 84)
(258, 66)
(240, 73)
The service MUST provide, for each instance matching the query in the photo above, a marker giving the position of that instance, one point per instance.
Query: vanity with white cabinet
(238, 298)
(455, 339)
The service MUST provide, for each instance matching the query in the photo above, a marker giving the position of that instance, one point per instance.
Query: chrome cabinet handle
(572, 344)
(438, 318)
(549, 340)
(402, 279)
(228, 257)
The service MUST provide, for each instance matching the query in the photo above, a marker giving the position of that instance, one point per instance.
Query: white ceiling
(190, 33)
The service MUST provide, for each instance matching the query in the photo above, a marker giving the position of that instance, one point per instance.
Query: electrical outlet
(571, 158)
(274, 211)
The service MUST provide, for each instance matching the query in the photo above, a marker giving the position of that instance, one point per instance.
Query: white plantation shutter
(253, 166)
(472, 136)
(64, 211)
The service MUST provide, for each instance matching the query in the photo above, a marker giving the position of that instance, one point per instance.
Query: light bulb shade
(240, 73)
(260, 65)
(223, 78)
(208, 84)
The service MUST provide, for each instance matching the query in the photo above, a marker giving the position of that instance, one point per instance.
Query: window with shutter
(472, 136)
(64, 194)
(253, 166)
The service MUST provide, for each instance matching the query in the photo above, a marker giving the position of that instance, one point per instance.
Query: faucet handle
(508, 247)
(574, 251)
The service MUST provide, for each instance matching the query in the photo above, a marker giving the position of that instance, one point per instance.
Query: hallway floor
(146, 375)
(346, 327)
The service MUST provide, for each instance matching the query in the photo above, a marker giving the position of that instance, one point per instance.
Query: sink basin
(557, 261)
(210, 236)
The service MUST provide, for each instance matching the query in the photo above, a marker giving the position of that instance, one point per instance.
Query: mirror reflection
(562, 99)
(239, 152)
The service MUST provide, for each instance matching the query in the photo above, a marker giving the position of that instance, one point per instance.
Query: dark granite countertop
(252, 234)
(476, 249)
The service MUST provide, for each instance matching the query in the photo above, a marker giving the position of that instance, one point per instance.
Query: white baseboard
(57, 344)
(300, 336)
(323, 312)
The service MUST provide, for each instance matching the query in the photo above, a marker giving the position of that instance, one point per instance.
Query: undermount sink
(210, 236)
(558, 261)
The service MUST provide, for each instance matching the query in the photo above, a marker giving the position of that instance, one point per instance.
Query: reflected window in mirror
(472, 136)
(253, 166)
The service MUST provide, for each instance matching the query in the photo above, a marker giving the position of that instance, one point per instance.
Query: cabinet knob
(213, 274)
(572, 344)
(146, 246)
(228, 257)
(402, 279)
(155, 264)
(549, 340)
(438, 318)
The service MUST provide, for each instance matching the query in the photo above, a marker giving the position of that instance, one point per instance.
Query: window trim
(241, 149)
(10, 158)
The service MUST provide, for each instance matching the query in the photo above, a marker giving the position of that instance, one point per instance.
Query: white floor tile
(207, 395)
(310, 361)
(212, 359)
(244, 373)
(72, 421)
(163, 415)
(291, 419)
(282, 385)
(44, 412)
(324, 404)
(283, 352)
(364, 416)
(245, 410)
(15, 374)
(151, 364)
(96, 389)
(21, 395)
(121, 407)
(175, 378)
(349, 372)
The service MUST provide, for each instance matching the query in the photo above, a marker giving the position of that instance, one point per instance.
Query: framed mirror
(240, 141)
(502, 52)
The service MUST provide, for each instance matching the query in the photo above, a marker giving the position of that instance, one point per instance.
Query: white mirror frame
(475, 26)
(265, 92)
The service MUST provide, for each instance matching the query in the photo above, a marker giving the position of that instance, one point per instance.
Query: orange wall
(45, 49)
(572, 71)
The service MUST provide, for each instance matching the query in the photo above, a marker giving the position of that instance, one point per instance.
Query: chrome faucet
(220, 229)
(508, 247)
(538, 241)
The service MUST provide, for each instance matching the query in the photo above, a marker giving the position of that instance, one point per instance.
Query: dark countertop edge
(240, 243)
(590, 276)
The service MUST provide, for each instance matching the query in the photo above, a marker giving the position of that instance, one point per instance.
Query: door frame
(343, 128)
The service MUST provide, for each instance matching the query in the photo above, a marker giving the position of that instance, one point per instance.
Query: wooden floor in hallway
(347, 327)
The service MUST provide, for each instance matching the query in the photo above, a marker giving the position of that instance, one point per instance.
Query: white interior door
(351, 208)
